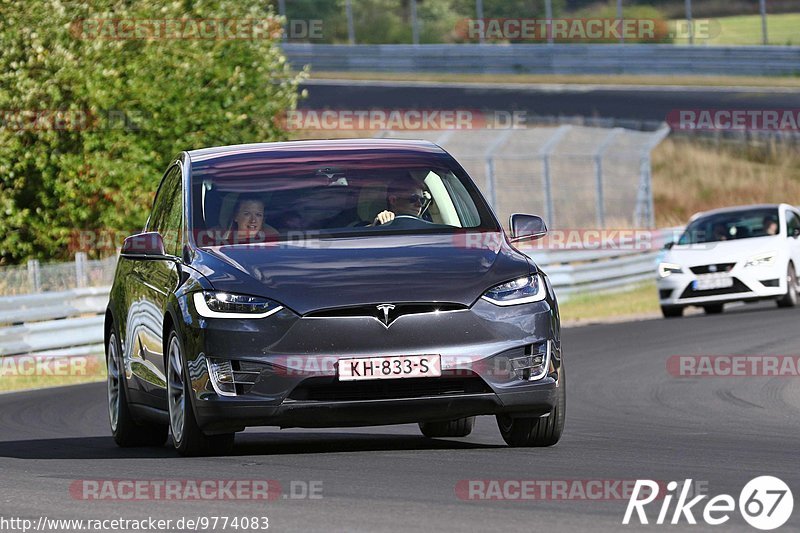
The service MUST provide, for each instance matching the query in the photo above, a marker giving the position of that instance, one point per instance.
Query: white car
(734, 254)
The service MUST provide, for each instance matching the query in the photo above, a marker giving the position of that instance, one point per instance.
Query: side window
(792, 223)
(167, 216)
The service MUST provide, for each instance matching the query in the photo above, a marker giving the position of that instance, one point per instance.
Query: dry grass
(689, 177)
(636, 302)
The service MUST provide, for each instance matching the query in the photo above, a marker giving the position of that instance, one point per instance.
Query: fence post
(544, 152)
(491, 188)
(34, 276)
(598, 175)
(414, 26)
(351, 29)
(81, 276)
(762, 6)
(689, 23)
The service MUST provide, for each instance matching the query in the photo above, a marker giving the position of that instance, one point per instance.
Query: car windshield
(732, 225)
(256, 199)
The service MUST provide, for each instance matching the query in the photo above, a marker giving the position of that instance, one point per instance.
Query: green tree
(145, 99)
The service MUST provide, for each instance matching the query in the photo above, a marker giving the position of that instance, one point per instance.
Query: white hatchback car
(733, 254)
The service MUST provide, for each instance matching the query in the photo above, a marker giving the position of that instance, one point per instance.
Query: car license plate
(394, 367)
(711, 282)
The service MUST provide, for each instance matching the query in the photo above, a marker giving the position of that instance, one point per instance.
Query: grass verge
(746, 30)
(640, 300)
(32, 372)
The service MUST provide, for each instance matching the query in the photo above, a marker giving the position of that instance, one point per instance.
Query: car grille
(718, 267)
(395, 312)
(328, 389)
(737, 287)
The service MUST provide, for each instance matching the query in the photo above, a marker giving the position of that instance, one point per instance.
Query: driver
(403, 197)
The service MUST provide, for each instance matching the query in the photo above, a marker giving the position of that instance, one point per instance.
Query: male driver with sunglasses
(403, 197)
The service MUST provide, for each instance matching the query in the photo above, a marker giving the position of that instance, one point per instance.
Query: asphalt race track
(627, 418)
(620, 102)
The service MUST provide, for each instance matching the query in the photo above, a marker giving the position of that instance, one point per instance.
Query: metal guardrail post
(34, 275)
(81, 275)
(351, 30)
(644, 203)
(544, 152)
(491, 188)
(414, 26)
(598, 175)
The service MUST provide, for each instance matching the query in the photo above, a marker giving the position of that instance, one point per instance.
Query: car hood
(723, 251)
(330, 273)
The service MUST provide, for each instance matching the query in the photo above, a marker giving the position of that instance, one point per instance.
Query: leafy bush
(89, 123)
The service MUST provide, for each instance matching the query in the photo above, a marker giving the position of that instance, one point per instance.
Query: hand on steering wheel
(384, 217)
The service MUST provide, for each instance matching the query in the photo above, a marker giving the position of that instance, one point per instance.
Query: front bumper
(296, 358)
(750, 283)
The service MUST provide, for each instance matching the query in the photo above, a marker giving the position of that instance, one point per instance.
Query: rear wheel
(460, 427)
(713, 309)
(127, 432)
(187, 437)
(790, 298)
(671, 311)
(537, 432)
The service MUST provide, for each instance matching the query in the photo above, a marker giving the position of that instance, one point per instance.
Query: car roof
(736, 208)
(378, 145)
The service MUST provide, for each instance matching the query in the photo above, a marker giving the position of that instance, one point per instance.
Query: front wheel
(127, 432)
(537, 432)
(713, 309)
(790, 298)
(187, 437)
(671, 311)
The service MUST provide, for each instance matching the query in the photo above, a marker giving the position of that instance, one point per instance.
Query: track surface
(627, 419)
(621, 102)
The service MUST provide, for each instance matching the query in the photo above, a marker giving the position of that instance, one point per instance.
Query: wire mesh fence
(35, 277)
(574, 176)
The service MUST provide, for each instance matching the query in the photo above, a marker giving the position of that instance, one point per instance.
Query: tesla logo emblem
(712, 268)
(386, 308)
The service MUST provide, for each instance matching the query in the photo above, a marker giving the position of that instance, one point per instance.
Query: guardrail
(549, 59)
(71, 322)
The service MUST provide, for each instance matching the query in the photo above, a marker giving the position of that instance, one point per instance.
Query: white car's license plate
(711, 282)
(393, 367)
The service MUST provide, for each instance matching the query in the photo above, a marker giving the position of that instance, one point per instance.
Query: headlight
(520, 291)
(665, 269)
(225, 305)
(764, 259)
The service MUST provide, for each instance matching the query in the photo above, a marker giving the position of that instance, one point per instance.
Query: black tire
(127, 432)
(713, 309)
(537, 432)
(790, 298)
(671, 311)
(460, 427)
(187, 437)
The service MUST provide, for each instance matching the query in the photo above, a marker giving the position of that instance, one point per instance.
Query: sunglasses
(416, 199)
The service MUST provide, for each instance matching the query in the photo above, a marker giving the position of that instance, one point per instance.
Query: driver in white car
(403, 197)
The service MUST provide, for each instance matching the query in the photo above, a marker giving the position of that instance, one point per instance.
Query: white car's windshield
(732, 225)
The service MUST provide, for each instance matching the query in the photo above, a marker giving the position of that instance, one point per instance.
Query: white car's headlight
(666, 269)
(765, 259)
(225, 305)
(519, 291)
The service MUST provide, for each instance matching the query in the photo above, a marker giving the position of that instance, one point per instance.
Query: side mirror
(148, 245)
(526, 227)
(669, 245)
(796, 232)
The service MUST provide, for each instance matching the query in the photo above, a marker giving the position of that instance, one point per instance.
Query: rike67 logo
(765, 503)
